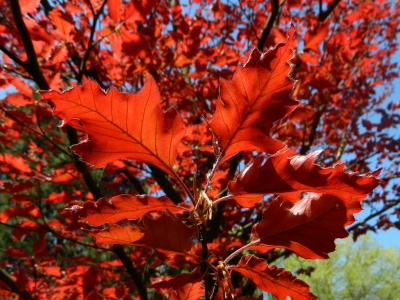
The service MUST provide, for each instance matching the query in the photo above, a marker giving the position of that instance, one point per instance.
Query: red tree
(193, 131)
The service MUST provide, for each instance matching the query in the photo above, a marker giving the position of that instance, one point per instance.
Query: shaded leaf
(121, 207)
(120, 126)
(287, 174)
(277, 281)
(248, 105)
(308, 228)
(166, 233)
(177, 281)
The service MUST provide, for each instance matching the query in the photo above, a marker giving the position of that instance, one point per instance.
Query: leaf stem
(240, 250)
(226, 198)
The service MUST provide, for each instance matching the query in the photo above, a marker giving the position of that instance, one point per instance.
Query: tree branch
(82, 67)
(165, 184)
(32, 67)
(325, 14)
(137, 279)
(13, 286)
(307, 145)
(385, 208)
(11, 55)
(133, 180)
(268, 25)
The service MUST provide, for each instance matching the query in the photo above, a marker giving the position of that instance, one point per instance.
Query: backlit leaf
(257, 96)
(308, 228)
(276, 281)
(287, 174)
(121, 207)
(165, 233)
(120, 125)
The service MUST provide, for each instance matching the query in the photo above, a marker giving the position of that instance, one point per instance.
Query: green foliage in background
(364, 270)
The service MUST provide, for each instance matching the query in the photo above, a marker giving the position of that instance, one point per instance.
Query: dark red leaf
(308, 228)
(288, 175)
(276, 281)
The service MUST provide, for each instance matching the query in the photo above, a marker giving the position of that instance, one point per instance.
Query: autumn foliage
(169, 150)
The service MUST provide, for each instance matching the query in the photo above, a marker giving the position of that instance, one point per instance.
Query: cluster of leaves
(182, 132)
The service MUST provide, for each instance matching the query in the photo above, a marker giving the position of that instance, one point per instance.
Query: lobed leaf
(121, 207)
(166, 233)
(308, 228)
(119, 125)
(288, 175)
(277, 281)
(257, 96)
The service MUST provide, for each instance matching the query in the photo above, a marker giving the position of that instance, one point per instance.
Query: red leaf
(28, 6)
(52, 270)
(308, 228)
(63, 23)
(114, 9)
(17, 163)
(18, 99)
(40, 244)
(288, 175)
(190, 291)
(178, 281)
(313, 37)
(120, 126)
(257, 96)
(166, 233)
(276, 281)
(121, 207)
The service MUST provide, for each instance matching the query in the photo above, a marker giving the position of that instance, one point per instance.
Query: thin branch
(136, 277)
(31, 65)
(133, 180)
(46, 7)
(13, 285)
(165, 184)
(268, 25)
(240, 250)
(33, 130)
(11, 55)
(325, 14)
(307, 144)
(82, 67)
(377, 213)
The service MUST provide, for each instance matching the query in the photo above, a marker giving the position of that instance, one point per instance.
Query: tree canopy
(172, 149)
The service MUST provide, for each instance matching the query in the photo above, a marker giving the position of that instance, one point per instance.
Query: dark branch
(134, 181)
(137, 279)
(268, 26)
(82, 67)
(13, 286)
(31, 65)
(165, 184)
(325, 14)
(11, 55)
(46, 7)
(307, 144)
(371, 216)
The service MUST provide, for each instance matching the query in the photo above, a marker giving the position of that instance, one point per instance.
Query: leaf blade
(119, 125)
(277, 281)
(257, 96)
